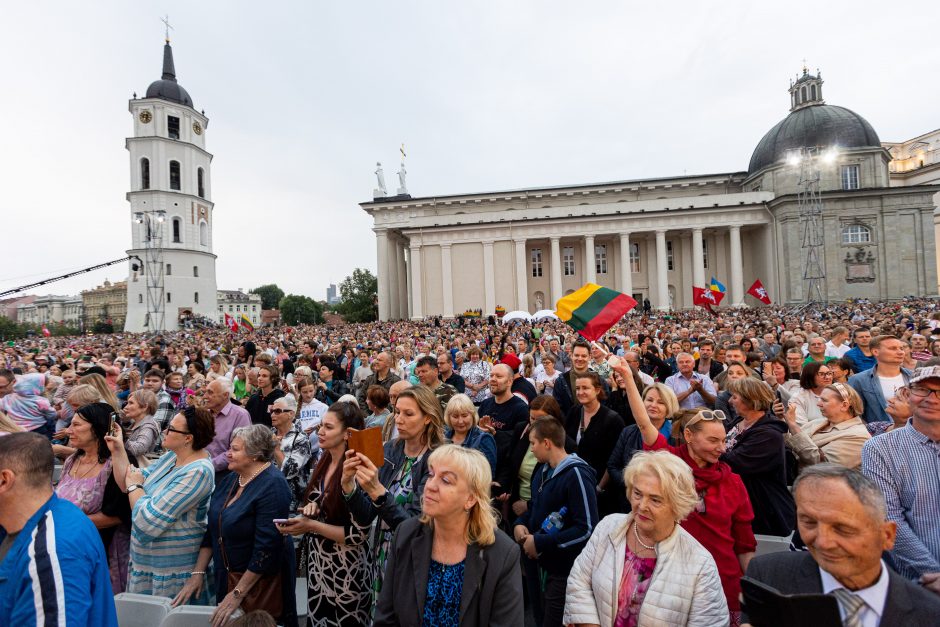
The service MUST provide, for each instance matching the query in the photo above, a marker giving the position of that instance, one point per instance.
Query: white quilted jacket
(685, 589)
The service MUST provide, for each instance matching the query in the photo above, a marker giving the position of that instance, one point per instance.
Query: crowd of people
(527, 474)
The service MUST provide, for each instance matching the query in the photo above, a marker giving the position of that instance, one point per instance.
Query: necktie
(852, 605)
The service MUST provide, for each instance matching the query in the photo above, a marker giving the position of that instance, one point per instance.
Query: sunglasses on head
(707, 414)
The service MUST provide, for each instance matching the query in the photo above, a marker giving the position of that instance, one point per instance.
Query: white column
(698, 259)
(489, 280)
(737, 267)
(626, 274)
(447, 281)
(394, 298)
(417, 310)
(402, 286)
(590, 269)
(556, 270)
(662, 280)
(381, 264)
(522, 283)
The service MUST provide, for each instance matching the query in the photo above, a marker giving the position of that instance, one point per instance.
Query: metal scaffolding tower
(812, 241)
(154, 268)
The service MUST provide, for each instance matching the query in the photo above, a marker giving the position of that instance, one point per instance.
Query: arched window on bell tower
(203, 233)
(177, 231)
(145, 173)
(201, 182)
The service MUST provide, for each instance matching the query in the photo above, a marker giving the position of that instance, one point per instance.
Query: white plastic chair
(772, 544)
(300, 589)
(189, 616)
(140, 610)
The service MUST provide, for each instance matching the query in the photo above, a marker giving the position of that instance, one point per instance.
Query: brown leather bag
(266, 594)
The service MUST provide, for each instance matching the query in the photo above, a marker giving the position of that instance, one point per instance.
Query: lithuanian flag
(245, 322)
(593, 309)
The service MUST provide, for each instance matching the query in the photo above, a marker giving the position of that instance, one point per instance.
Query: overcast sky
(304, 97)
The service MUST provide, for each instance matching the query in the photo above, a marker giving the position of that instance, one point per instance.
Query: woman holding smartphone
(334, 546)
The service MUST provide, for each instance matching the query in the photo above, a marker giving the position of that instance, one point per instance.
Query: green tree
(270, 294)
(297, 309)
(359, 293)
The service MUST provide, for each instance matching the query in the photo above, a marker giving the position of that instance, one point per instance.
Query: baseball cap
(922, 374)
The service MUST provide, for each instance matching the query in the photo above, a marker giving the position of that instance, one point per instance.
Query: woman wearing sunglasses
(721, 520)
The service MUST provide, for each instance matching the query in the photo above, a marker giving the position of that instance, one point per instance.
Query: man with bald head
(381, 375)
(503, 409)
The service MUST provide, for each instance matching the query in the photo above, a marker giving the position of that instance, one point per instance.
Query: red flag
(231, 323)
(706, 298)
(45, 331)
(759, 292)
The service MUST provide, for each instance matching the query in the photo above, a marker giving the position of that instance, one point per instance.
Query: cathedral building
(657, 238)
(171, 208)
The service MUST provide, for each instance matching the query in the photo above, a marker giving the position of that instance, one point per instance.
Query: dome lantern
(806, 91)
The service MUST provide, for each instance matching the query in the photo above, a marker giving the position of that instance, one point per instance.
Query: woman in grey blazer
(453, 566)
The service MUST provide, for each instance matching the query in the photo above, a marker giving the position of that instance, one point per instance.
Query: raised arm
(649, 432)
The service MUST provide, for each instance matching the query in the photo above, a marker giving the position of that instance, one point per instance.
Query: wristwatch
(134, 486)
(380, 502)
(237, 594)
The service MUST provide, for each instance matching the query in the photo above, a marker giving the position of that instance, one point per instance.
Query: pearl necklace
(251, 478)
(636, 534)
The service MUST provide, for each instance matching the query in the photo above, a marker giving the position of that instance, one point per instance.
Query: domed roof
(816, 125)
(167, 88)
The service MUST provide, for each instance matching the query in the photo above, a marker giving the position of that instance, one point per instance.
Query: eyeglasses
(277, 411)
(169, 428)
(920, 392)
(707, 414)
(825, 374)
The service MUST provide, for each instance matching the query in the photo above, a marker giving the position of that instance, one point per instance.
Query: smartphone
(280, 521)
(114, 419)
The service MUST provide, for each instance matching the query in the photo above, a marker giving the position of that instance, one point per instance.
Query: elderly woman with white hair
(292, 451)
(253, 563)
(643, 568)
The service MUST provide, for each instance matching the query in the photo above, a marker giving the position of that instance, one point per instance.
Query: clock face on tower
(145, 116)
(197, 128)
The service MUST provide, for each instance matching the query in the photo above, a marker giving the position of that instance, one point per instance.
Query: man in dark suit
(842, 520)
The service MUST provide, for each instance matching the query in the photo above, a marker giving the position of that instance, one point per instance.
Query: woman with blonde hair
(453, 565)
(218, 368)
(654, 556)
(105, 393)
(461, 418)
(7, 426)
(837, 437)
(393, 492)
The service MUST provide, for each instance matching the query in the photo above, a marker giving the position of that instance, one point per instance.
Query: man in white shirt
(838, 346)
(841, 515)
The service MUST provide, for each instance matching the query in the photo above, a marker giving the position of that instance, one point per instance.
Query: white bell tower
(170, 207)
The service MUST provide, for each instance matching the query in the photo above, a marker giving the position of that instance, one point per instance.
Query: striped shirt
(168, 524)
(905, 463)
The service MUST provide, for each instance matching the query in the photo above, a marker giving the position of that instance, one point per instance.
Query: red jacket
(724, 527)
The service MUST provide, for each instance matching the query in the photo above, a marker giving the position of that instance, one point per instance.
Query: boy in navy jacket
(560, 480)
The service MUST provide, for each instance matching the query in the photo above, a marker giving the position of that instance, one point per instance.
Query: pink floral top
(637, 574)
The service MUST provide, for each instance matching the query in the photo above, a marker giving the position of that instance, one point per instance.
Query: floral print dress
(637, 575)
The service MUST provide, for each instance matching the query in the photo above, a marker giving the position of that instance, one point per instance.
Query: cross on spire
(804, 66)
(168, 28)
